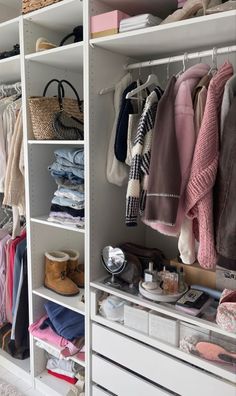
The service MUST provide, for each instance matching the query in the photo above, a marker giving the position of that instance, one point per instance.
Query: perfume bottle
(149, 274)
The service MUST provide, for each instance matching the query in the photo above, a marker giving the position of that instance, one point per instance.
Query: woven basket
(42, 110)
(32, 5)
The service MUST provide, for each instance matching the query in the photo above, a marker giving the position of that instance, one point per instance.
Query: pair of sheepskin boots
(63, 273)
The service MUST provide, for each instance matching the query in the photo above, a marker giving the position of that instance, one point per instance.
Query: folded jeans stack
(138, 22)
(68, 202)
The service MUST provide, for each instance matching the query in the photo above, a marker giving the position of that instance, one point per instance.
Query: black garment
(122, 124)
(67, 209)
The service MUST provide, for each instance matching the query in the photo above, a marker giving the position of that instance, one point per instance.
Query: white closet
(119, 361)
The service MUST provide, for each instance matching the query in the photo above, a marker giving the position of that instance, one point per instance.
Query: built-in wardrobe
(119, 360)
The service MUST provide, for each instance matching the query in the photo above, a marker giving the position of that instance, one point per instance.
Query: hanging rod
(178, 58)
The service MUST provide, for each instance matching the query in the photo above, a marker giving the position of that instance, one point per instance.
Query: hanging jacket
(229, 93)
(225, 193)
(185, 140)
(116, 171)
(199, 197)
(141, 154)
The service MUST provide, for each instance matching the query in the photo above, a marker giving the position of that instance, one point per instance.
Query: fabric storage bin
(106, 24)
(33, 5)
(136, 318)
(163, 328)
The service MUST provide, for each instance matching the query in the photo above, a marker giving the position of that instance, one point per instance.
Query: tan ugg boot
(75, 271)
(55, 274)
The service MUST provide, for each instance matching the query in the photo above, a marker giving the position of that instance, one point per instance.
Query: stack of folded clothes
(67, 370)
(138, 22)
(68, 202)
(62, 330)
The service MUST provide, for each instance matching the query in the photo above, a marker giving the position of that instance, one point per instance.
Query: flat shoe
(43, 44)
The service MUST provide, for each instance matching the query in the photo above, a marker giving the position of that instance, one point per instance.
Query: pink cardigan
(186, 137)
(199, 196)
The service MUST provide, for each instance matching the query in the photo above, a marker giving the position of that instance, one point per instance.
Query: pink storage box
(107, 23)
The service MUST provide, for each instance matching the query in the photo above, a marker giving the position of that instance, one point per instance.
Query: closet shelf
(59, 142)
(74, 303)
(162, 308)
(173, 38)
(61, 17)
(9, 34)
(69, 57)
(10, 69)
(20, 367)
(49, 385)
(217, 369)
(56, 350)
(43, 220)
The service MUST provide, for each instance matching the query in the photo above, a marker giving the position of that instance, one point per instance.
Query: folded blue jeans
(76, 170)
(70, 156)
(68, 202)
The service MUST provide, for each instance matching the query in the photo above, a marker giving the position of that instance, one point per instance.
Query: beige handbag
(32, 5)
(43, 110)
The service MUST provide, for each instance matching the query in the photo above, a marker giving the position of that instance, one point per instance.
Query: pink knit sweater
(199, 196)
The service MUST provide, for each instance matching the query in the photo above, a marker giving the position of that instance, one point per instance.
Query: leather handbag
(133, 270)
(65, 125)
(145, 255)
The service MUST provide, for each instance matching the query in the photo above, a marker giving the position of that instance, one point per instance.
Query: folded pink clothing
(66, 347)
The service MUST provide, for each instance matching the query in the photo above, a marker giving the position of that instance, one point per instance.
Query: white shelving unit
(111, 363)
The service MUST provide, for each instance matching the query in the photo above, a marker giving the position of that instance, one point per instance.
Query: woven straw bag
(43, 109)
(32, 5)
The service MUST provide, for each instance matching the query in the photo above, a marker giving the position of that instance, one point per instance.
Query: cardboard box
(106, 24)
(136, 318)
(196, 275)
(163, 328)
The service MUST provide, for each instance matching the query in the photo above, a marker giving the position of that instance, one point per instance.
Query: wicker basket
(32, 5)
(42, 110)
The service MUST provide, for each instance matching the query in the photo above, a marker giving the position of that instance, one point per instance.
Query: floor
(21, 385)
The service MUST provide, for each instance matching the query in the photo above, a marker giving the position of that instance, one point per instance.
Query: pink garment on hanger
(66, 347)
(199, 190)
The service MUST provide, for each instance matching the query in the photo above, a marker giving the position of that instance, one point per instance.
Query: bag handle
(77, 33)
(60, 96)
(49, 83)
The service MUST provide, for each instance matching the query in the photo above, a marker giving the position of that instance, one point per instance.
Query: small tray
(160, 297)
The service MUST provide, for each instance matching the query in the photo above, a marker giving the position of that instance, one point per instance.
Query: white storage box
(136, 318)
(163, 328)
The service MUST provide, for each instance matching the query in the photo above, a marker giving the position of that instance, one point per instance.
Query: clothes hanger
(213, 68)
(151, 80)
(185, 60)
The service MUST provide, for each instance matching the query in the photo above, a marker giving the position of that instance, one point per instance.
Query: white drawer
(164, 370)
(96, 391)
(120, 381)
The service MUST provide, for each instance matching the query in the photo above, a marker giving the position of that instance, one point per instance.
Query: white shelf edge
(63, 3)
(18, 367)
(158, 28)
(49, 385)
(10, 59)
(54, 51)
(41, 293)
(43, 220)
(12, 21)
(161, 308)
(59, 142)
(53, 347)
(172, 350)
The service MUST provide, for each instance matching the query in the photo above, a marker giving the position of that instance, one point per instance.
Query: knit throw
(199, 191)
